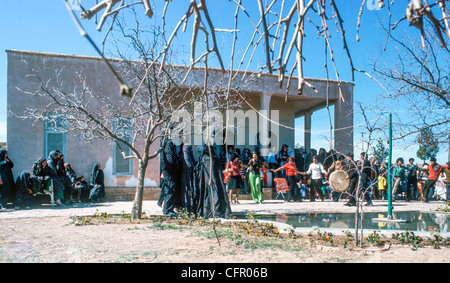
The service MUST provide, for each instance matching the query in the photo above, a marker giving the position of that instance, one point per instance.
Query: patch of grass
(166, 226)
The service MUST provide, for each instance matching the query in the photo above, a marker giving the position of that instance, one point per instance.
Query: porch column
(264, 123)
(343, 120)
(307, 137)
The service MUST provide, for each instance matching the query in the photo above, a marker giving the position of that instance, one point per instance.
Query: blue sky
(45, 25)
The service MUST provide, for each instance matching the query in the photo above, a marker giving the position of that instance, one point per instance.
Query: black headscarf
(23, 182)
(52, 162)
(8, 187)
(299, 161)
(58, 182)
(70, 173)
(97, 183)
(97, 176)
(38, 169)
(2, 154)
(329, 159)
(246, 156)
(322, 155)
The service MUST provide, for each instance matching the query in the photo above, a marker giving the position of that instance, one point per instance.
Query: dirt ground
(59, 240)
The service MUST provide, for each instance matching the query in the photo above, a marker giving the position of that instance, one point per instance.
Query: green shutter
(55, 141)
(122, 165)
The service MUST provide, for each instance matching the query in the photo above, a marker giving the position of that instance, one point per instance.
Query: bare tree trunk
(136, 211)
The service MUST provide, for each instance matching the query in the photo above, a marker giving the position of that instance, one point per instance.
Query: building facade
(28, 140)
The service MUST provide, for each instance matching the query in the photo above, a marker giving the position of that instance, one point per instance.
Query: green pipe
(389, 170)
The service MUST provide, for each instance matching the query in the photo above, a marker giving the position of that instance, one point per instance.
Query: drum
(338, 181)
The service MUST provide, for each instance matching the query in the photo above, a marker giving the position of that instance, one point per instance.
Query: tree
(417, 80)
(428, 144)
(137, 124)
(380, 151)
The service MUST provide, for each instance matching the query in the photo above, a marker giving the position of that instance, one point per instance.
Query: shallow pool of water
(414, 221)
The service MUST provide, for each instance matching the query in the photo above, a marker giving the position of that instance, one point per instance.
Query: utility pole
(389, 218)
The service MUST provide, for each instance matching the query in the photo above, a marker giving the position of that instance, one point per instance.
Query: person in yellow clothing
(382, 181)
(382, 186)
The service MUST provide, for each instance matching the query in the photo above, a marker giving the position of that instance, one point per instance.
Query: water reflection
(415, 221)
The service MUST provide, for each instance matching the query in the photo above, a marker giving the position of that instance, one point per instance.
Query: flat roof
(87, 57)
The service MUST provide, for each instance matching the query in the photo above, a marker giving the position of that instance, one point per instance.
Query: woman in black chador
(97, 183)
(171, 170)
(24, 190)
(214, 196)
(187, 178)
(58, 182)
(7, 189)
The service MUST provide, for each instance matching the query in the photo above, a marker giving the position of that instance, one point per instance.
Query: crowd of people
(49, 175)
(307, 175)
(207, 186)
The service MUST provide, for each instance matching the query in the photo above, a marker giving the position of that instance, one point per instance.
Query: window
(123, 128)
(54, 134)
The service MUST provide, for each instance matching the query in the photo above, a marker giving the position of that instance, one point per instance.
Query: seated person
(80, 186)
(24, 191)
(40, 173)
(97, 184)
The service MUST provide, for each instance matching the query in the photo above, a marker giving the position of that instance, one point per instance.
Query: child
(382, 186)
(80, 186)
(243, 173)
(303, 186)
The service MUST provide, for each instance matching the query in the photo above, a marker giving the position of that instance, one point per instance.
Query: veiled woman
(39, 173)
(210, 192)
(282, 157)
(7, 189)
(330, 158)
(58, 183)
(322, 155)
(246, 156)
(97, 183)
(40, 168)
(24, 190)
(171, 170)
(187, 178)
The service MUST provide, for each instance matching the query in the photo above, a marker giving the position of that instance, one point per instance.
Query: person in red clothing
(264, 173)
(291, 172)
(433, 170)
(234, 183)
